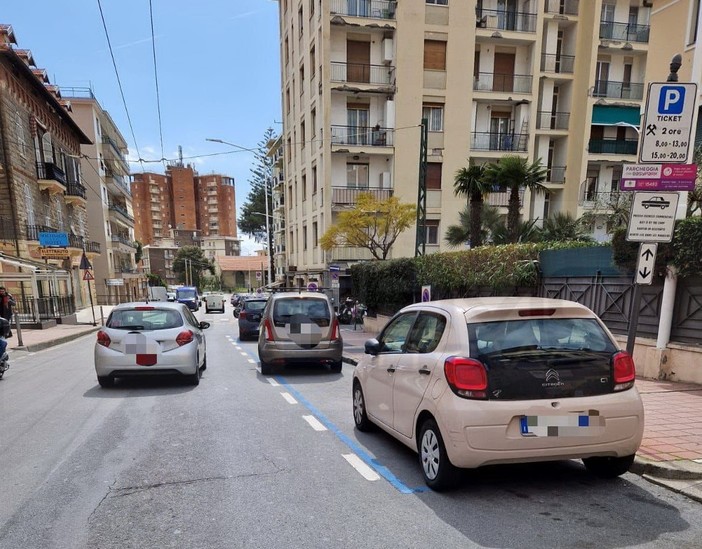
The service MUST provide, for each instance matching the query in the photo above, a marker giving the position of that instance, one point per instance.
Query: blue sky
(218, 72)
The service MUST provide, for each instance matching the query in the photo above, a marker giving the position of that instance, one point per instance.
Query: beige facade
(556, 80)
(110, 217)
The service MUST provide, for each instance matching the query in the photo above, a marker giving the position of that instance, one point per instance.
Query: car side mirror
(373, 347)
(204, 325)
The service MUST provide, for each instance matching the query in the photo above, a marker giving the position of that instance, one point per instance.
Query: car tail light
(536, 312)
(103, 339)
(269, 330)
(186, 336)
(143, 308)
(624, 371)
(335, 329)
(242, 314)
(466, 377)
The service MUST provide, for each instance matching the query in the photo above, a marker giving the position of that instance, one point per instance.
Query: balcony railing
(555, 174)
(603, 199)
(546, 120)
(362, 73)
(562, 7)
(34, 230)
(7, 230)
(493, 141)
(121, 210)
(507, 20)
(47, 308)
(362, 135)
(624, 32)
(618, 90)
(115, 148)
(501, 198)
(348, 196)
(47, 170)
(75, 189)
(92, 246)
(123, 240)
(563, 64)
(490, 81)
(612, 146)
(118, 180)
(375, 9)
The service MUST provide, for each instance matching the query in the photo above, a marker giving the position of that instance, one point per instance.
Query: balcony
(373, 9)
(7, 230)
(348, 196)
(122, 214)
(117, 183)
(506, 20)
(116, 151)
(360, 73)
(34, 230)
(562, 64)
(92, 247)
(75, 193)
(493, 141)
(501, 198)
(555, 174)
(612, 146)
(362, 135)
(350, 254)
(624, 32)
(618, 90)
(562, 7)
(123, 240)
(511, 83)
(546, 120)
(51, 178)
(589, 198)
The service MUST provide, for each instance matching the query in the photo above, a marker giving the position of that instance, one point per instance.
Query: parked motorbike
(4, 357)
(352, 312)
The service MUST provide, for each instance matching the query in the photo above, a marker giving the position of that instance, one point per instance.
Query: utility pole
(421, 238)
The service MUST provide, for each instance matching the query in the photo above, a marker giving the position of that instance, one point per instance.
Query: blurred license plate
(586, 423)
(139, 344)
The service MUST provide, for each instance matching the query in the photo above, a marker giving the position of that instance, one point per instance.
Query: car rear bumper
(489, 432)
(333, 353)
(182, 360)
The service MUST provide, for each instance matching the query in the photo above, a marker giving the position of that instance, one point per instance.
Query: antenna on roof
(180, 156)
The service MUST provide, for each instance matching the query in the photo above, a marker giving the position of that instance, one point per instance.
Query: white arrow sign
(646, 263)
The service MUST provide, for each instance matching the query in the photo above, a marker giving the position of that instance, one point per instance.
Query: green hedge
(387, 286)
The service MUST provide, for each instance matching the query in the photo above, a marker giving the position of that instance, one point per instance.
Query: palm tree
(512, 173)
(492, 227)
(562, 227)
(470, 182)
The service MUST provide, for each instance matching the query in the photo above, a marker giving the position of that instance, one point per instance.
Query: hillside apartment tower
(556, 80)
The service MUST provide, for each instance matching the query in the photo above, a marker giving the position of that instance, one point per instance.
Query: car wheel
(336, 367)
(204, 364)
(194, 379)
(360, 417)
(439, 473)
(608, 467)
(266, 368)
(106, 381)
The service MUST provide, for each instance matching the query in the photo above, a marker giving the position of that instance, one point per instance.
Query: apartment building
(277, 227)
(42, 193)
(105, 172)
(556, 80)
(182, 199)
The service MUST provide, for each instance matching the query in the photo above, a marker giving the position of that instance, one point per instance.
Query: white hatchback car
(483, 381)
(141, 339)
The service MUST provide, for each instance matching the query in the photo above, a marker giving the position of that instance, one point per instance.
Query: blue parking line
(360, 452)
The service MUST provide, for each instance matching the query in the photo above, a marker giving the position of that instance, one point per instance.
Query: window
(304, 187)
(434, 175)
(303, 133)
(313, 116)
(393, 337)
(435, 55)
(431, 231)
(311, 8)
(299, 20)
(314, 180)
(438, 2)
(315, 235)
(302, 79)
(357, 175)
(19, 130)
(313, 62)
(304, 237)
(426, 333)
(693, 21)
(435, 117)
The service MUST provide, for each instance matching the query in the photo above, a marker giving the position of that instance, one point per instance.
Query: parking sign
(665, 135)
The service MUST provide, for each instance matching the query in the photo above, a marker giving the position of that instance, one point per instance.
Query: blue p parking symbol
(671, 100)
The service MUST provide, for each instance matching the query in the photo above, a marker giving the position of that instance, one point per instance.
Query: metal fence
(47, 308)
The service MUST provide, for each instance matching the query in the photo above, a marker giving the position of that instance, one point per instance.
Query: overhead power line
(158, 94)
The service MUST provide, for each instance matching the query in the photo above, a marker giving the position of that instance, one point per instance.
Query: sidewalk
(671, 450)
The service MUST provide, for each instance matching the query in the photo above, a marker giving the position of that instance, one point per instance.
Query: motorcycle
(4, 358)
(352, 312)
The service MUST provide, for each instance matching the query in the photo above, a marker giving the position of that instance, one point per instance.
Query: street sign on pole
(658, 177)
(426, 294)
(652, 217)
(88, 275)
(665, 136)
(646, 263)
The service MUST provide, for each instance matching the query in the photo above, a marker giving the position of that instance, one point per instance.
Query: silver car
(141, 339)
(299, 328)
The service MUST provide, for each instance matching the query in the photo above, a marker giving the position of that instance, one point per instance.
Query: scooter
(4, 358)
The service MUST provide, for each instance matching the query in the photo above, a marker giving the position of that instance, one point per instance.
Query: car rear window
(186, 294)
(151, 319)
(255, 305)
(314, 309)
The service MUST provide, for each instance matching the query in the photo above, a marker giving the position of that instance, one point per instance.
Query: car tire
(335, 367)
(194, 379)
(266, 368)
(106, 381)
(608, 467)
(438, 471)
(360, 417)
(204, 364)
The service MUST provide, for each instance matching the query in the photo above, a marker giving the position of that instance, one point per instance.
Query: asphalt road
(244, 460)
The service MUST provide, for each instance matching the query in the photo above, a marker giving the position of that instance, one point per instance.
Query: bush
(687, 246)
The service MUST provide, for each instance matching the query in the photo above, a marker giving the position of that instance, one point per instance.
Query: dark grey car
(250, 312)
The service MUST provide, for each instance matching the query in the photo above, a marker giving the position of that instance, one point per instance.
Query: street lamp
(265, 192)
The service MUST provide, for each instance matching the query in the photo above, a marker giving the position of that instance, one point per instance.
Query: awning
(607, 115)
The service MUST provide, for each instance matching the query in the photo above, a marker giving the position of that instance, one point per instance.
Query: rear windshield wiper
(135, 327)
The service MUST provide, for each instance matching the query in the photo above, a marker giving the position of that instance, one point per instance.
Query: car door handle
(425, 371)
(391, 369)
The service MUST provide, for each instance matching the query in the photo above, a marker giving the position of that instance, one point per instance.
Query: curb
(349, 360)
(53, 342)
(683, 469)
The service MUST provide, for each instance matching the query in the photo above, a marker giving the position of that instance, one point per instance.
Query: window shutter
(435, 55)
(434, 175)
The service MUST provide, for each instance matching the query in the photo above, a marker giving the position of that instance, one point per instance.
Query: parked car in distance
(249, 316)
(171, 296)
(471, 382)
(299, 327)
(214, 302)
(157, 293)
(145, 339)
(655, 202)
(189, 296)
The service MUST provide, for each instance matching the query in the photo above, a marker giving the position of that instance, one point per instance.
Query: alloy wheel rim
(357, 406)
(430, 454)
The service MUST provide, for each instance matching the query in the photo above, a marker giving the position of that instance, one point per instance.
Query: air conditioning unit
(385, 182)
(388, 54)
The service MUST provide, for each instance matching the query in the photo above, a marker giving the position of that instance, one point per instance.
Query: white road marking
(273, 382)
(289, 398)
(242, 353)
(314, 423)
(252, 361)
(358, 464)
